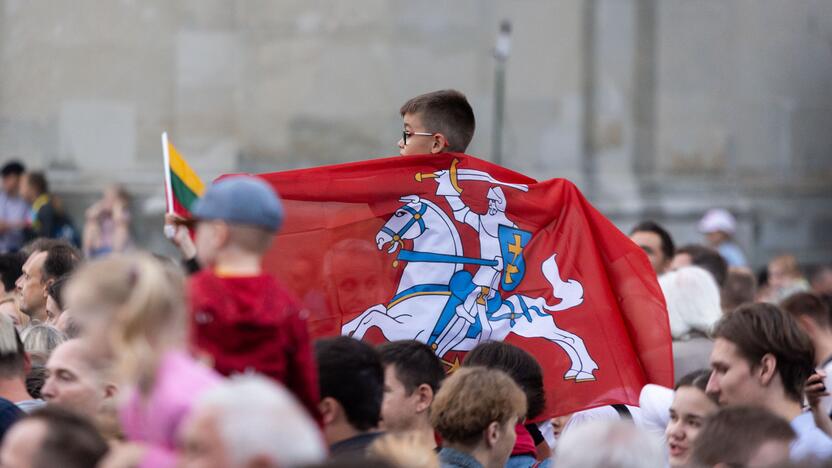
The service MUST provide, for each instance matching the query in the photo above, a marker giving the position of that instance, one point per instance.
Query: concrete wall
(742, 97)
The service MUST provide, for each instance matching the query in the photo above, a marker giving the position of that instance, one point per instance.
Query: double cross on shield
(512, 243)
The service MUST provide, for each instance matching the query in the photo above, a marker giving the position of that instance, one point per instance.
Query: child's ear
(440, 143)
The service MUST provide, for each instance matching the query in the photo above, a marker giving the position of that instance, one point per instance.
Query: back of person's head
(692, 298)
(257, 418)
(132, 301)
(668, 247)
(517, 363)
(473, 398)
(35, 380)
(11, 267)
(405, 450)
(355, 460)
(40, 340)
(708, 259)
(37, 182)
(732, 436)
(447, 112)
(70, 441)
(248, 207)
(808, 305)
(12, 168)
(609, 444)
(61, 259)
(13, 359)
(762, 329)
(740, 288)
(350, 372)
(415, 364)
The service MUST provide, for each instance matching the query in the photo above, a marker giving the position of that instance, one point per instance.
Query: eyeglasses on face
(406, 134)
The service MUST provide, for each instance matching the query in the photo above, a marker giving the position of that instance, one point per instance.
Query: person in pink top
(133, 308)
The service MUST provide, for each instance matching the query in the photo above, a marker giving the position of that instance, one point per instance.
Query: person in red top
(241, 318)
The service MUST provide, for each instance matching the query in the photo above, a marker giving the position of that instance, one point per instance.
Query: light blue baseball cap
(241, 200)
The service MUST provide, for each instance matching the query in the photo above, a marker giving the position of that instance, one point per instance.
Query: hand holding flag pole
(182, 188)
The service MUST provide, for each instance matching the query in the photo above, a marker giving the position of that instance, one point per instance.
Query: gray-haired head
(258, 418)
(40, 340)
(12, 354)
(609, 444)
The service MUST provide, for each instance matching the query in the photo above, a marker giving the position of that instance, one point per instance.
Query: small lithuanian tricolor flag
(182, 186)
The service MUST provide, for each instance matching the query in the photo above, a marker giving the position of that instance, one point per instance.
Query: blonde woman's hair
(141, 303)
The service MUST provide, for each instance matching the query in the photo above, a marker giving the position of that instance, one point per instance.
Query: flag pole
(168, 186)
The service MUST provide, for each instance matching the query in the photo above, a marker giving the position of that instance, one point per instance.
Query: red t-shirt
(252, 323)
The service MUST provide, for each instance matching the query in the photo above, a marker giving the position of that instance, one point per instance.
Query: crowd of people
(114, 357)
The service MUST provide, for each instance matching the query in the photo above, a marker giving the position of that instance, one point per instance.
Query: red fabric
(253, 323)
(328, 254)
(524, 444)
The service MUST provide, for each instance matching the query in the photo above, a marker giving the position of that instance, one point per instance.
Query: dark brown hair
(38, 182)
(518, 364)
(708, 259)
(668, 248)
(739, 288)
(760, 329)
(732, 435)
(811, 305)
(415, 364)
(446, 112)
(71, 441)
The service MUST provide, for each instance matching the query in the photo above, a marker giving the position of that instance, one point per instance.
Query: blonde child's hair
(141, 302)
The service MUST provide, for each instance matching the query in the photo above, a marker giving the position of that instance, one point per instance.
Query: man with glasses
(441, 121)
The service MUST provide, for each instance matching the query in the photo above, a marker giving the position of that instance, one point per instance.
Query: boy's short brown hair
(471, 399)
(760, 329)
(447, 112)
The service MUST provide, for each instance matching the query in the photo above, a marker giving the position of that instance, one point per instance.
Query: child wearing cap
(241, 318)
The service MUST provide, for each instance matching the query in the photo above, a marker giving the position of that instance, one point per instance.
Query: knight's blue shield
(513, 242)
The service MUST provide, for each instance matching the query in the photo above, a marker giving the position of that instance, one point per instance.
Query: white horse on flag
(433, 280)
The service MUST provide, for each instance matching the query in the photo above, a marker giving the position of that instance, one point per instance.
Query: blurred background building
(655, 108)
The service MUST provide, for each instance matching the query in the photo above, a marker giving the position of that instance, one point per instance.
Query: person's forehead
(724, 350)
(646, 237)
(412, 119)
(69, 356)
(35, 261)
(690, 400)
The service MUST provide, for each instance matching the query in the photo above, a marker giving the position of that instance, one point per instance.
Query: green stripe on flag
(184, 195)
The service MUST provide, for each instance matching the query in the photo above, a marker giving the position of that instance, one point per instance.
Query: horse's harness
(416, 217)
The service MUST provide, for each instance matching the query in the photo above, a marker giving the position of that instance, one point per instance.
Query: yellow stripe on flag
(184, 172)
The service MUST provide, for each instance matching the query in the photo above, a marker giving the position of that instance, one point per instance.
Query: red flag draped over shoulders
(451, 250)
